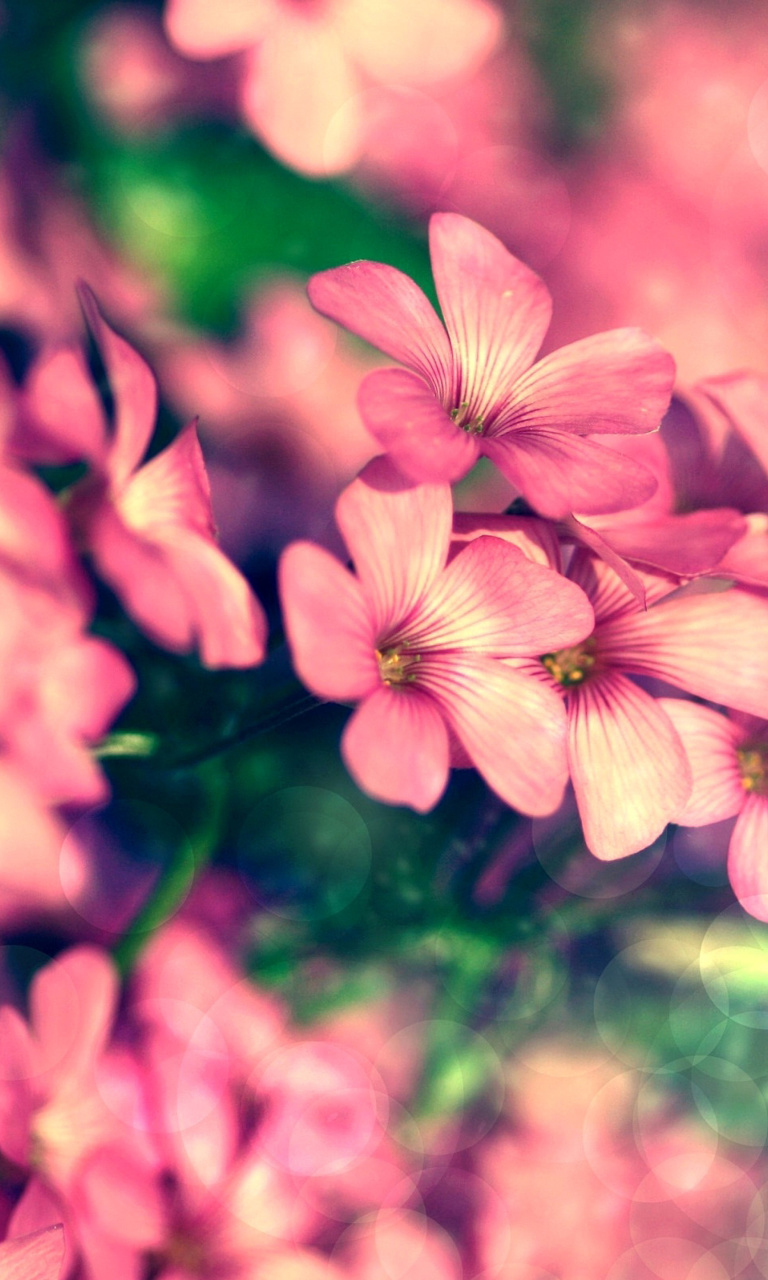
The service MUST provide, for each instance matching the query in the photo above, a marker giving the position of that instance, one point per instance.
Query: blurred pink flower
(728, 756)
(474, 389)
(35, 1257)
(149, 528)
(304, 66)
(415, 642)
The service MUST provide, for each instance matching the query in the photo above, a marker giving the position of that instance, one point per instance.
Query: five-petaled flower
(416, 641)
(472, 387)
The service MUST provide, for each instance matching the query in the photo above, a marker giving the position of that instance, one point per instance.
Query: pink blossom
(304, 66)
(415, 643)
(472, 388)
(149, 528)
(35, 1257)
(728, 756)
(629, 770)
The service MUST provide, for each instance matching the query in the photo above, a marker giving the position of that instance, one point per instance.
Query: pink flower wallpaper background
(384, 640)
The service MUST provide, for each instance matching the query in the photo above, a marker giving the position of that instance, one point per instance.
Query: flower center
(395, 665)
(473, 426)
(753, 767)
(571, 666)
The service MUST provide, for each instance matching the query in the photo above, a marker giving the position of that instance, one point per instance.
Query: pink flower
(305, 65)
(35, 1257)
(474, 389)
(728, 756)
(415, 641)
(149, 528)
(629, 770)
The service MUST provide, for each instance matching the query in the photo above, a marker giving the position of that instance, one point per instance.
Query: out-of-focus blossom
(148, 527)
(35, 1257)
(729, 763)
(303, 68)
(279, 409)
(475, 390)
(416, 643)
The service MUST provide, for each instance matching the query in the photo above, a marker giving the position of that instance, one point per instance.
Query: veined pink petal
(202, 30)
(560, 473)
(743, 397)
(228, 622)
(710, 742)
(586, 536)
(384, 306)
(620, 381)
(308, 117)
(608, 590)
(72, 1007)
(492, 600)
(512, 727)
(62, 419)
(684, 545)
(133, 387)
(536, 538)
(417, 432)
(708, 645)
(628, 767)
(171, 489)
(328, 623)
(396, 748)
(496, 310)
(398, 535)
(748, 857)
(35, 1257)
(747, 560)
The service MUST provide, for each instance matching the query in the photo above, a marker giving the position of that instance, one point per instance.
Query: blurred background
(580, 1046)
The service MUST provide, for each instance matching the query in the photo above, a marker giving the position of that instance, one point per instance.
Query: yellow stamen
(473, 426)
(571, 666)
(753, 767)
(395, 665)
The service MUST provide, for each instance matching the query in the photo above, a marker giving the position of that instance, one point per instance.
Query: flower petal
(202, 30)
(620, 381)
(629, 770)
(560, 473)
(72, 1005)
(496, 310)
(396, 748)
(710, 741)
(328, 623)
(708, 644)
(386, 308)
(491, 599)
(512, 727)
(536, 538)
(62, 419)
(743, 398)
(171, 489)
(397, 42)
(414, 428)
(35, 1257)
(398, 535)
(684, 545)
(748, 857)
(134, 389)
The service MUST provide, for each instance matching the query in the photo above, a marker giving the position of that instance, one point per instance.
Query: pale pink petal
(560, 473)
(30, 847)
(385, 307)
(61, 415)
(620, 381)
(121, 1197)
(35, 1257)
(684, 545)
(747, 559)
(398, 535)
(84, 685)
(628, 767)
(537, 539)
(17, 1099)
(398, 42)
(492, 600)
(496, 310)
(707, 644)
(743, 397)
(581, 533)
(228, 622)
(72, 1004)
(610, 593)
(396, 748)
(298, 94)
(171, 489)
(200, 29)
(710, 742)
(748, 857)
(328, 623)
(512, 727)
(33, 533)
(414, 428)
(133, 388)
